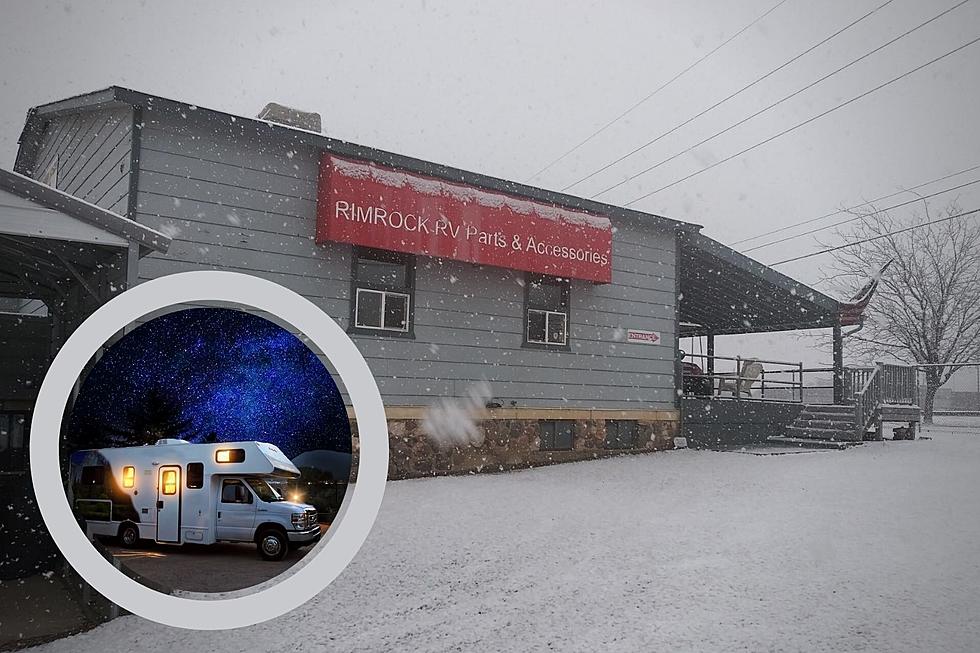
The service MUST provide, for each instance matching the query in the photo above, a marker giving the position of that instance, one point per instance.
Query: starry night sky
(235, 374)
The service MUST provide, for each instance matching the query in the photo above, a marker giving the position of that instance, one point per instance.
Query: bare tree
(927, 307)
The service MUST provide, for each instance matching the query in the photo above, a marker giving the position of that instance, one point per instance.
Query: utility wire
(807, 121)
(861, 217)
(784, 99)
(773, 232)
(726, 99)
(874, 238)
(657, 90)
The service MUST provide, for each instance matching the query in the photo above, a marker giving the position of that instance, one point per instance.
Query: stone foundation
(512, 441)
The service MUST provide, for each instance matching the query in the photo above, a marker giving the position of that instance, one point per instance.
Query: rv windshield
(264, 491)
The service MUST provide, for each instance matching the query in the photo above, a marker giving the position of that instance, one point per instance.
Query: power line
(806, 122)
(784, 99)
(773, 232)
(778, 102)
(861, 217)
(874, 238)
(657, 90)
(722, 101)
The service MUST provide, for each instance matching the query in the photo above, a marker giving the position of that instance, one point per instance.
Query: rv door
(168, 504)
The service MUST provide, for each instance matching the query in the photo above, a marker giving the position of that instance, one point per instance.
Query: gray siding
(720, 424)
(234, 201)
(91, 151)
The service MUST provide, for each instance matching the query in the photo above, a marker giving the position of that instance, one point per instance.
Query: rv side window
(234, 491)
(195, 476)
(93, 475)
(229, 456)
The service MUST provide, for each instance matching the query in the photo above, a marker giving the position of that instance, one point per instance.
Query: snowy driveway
(874, 548)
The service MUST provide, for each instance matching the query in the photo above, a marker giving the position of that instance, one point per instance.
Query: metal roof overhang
(49, 240)
(723, 292)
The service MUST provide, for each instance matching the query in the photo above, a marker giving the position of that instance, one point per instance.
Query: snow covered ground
(874, 548)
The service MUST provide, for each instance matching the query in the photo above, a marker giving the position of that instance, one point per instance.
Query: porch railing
(855, 379)
(779, 380)
(882, 384)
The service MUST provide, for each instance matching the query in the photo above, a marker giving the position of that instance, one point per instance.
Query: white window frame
(547, 327)
(384, 296)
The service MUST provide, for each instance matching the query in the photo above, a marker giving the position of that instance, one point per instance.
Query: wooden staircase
(822, 426)
(873, 396)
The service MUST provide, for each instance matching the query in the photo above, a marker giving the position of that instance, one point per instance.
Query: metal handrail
(795, 385)
(743, 358)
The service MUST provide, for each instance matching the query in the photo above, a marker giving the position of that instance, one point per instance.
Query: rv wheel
(129, 535)
(272, 544)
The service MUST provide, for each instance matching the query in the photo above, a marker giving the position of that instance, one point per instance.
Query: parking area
(222, 567)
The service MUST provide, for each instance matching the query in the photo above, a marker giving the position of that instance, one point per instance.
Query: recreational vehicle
(176, 492)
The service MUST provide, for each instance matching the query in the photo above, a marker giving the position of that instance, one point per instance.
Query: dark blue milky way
(235, 374)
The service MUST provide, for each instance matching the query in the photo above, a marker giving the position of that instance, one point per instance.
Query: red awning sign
(376, 206)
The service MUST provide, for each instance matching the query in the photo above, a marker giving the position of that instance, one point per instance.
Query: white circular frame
(341, 542)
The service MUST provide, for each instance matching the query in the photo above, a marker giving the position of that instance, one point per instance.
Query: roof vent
(290, 117)
(171, 441)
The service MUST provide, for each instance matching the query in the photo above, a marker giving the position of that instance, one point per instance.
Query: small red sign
(376, 206)
(639, 335)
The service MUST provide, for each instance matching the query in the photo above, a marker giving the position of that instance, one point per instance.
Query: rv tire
(272, 544)
(129, 535)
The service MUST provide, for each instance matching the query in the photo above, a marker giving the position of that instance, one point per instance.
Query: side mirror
(681, 354)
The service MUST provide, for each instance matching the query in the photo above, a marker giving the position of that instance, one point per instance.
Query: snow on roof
(58, 200)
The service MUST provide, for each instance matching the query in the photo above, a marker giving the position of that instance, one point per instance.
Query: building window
(557, 435)
(195, 476)
(383, 290)
(620, 434)
(546, 311)
(129, 476)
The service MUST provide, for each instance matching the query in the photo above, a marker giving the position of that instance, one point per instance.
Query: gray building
(578, 364)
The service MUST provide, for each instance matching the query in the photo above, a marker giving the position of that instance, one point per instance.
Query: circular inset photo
(207, 450)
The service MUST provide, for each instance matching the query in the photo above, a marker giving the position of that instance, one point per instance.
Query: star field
(233, 374)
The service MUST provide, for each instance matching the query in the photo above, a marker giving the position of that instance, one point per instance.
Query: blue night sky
(236, 374)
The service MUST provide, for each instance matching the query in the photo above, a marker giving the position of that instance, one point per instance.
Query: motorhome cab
(175, 492)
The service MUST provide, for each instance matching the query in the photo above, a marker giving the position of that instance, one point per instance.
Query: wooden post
(838, 364)
(711, 362)
(738, 377)
(801, 382)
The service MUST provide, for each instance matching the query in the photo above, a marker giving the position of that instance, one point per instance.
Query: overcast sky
(504, 88)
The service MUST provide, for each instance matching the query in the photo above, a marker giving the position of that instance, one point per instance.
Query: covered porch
(749, 396)
(60, 259)
(722, 292)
